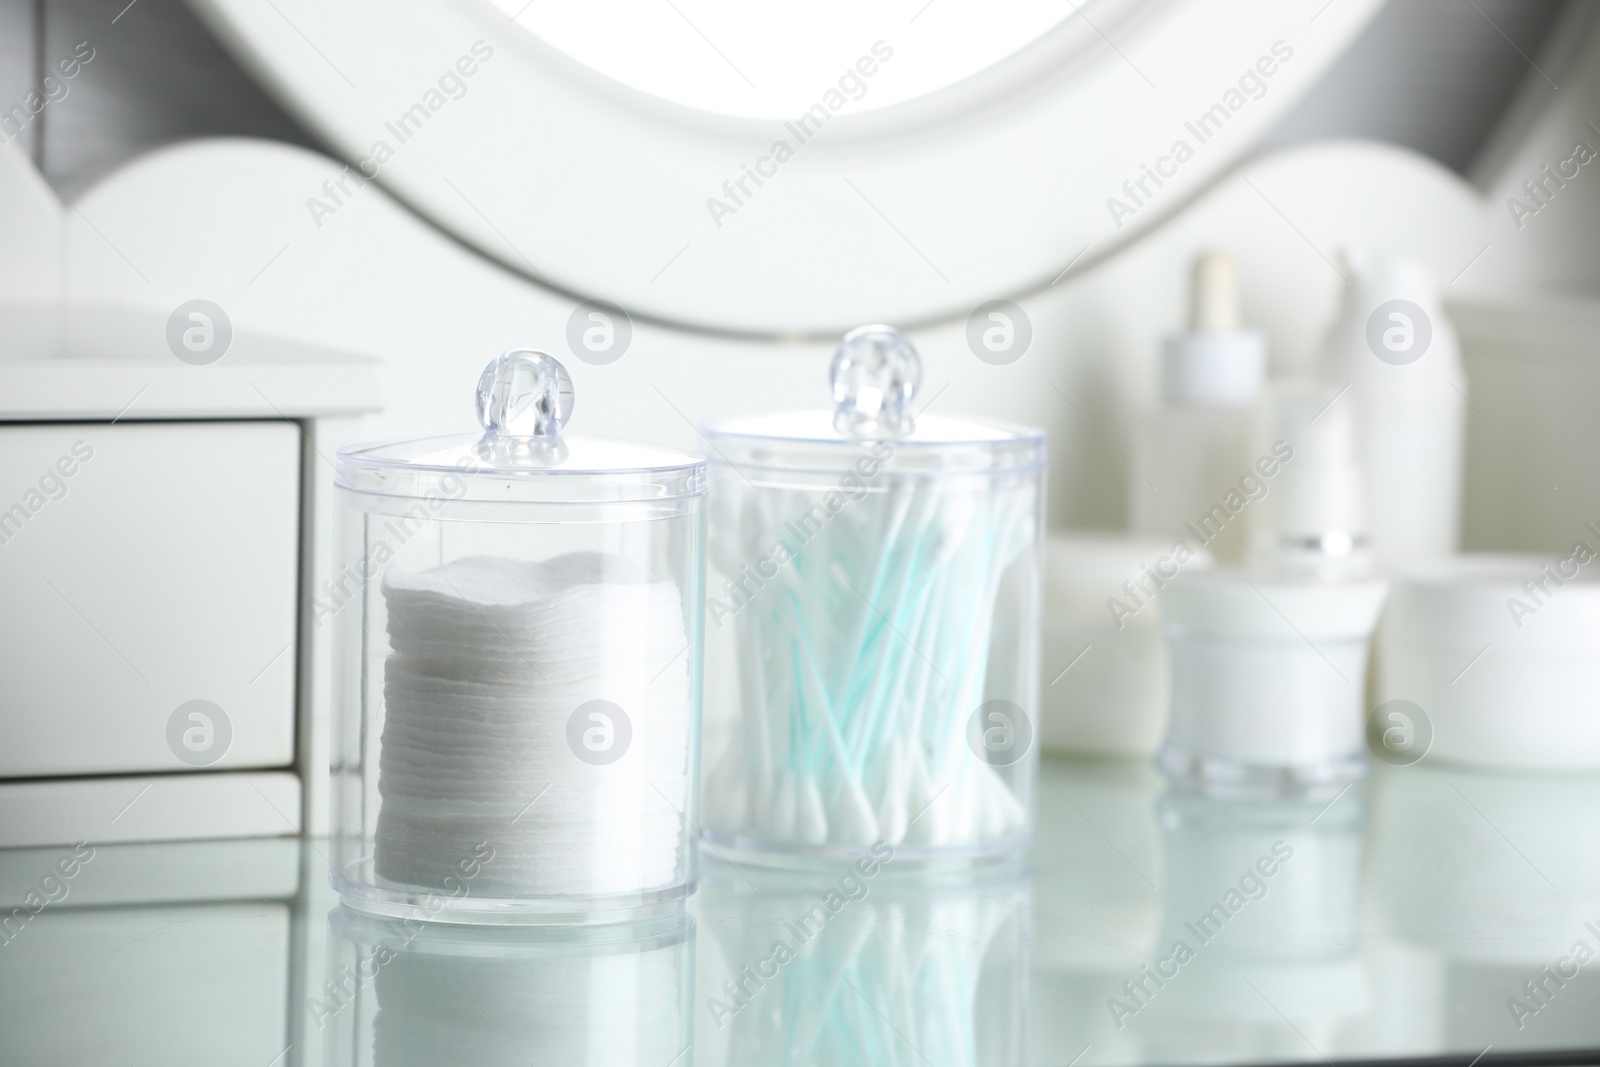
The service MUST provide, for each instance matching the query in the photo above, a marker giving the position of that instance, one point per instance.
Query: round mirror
(787, 168)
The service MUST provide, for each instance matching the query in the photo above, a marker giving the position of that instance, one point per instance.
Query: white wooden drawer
(144, 566)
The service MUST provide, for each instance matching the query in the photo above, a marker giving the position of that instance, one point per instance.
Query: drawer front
(148, 591)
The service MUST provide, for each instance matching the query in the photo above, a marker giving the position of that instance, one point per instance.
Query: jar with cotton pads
(517, 667)
(1500, 654)
(875, 598)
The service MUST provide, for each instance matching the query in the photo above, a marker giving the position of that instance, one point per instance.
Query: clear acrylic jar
(517, 667)
(874, 613)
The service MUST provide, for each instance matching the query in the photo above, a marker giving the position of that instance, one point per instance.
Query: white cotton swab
(892, 814)
(866, 648)
(858, 732)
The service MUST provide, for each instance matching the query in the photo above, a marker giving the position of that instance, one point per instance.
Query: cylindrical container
(1312, 514)
(400, 994)
(1396, 349)
(1268, 675)
(876, 592)
(517, 667)
(1104, 677)
(1192, 452)
(1501, 656)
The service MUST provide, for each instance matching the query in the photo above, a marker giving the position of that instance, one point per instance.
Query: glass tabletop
(1430, 913)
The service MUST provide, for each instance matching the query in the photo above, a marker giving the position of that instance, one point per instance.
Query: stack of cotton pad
(490, 658)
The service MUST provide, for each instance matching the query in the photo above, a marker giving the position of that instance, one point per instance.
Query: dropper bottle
(1191, 451)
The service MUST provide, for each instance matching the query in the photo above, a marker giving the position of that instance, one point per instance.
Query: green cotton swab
(902, 505)
(904, 603)
(890, 561)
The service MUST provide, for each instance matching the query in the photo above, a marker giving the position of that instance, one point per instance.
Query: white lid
(1523, 606)
(1214, 369)
(1262, 605)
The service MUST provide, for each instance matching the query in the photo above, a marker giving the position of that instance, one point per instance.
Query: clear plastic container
(517, 667)
(874, 636)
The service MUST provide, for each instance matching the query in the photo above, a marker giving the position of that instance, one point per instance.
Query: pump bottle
(1392, 345)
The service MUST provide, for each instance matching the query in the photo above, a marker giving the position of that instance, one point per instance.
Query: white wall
(226, 221)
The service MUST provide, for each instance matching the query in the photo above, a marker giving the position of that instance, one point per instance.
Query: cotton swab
(867, 649)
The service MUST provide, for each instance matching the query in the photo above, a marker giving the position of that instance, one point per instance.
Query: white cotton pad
(490, 659)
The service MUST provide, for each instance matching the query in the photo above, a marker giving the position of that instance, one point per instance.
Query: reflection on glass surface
(1431, 912)
(1411, 918)
(1097, 905)
(1491, 882)
(173, 953)
(1259, 952)
(407, 992)
(862, 965)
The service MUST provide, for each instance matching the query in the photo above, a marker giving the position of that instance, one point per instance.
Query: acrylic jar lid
(524, 398)
(874, 379)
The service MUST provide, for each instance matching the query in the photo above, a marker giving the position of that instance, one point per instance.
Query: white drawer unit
(148, 573)
(163, 527)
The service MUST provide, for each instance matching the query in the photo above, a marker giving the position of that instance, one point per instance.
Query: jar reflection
(862, 967)
(1260, 954)
(1490, 880)
(403, 993)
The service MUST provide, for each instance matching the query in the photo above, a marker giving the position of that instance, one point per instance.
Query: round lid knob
(874, 376)
(524, 398)
(524, 393)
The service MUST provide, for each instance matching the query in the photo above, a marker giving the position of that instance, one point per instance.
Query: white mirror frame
(998, 185)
